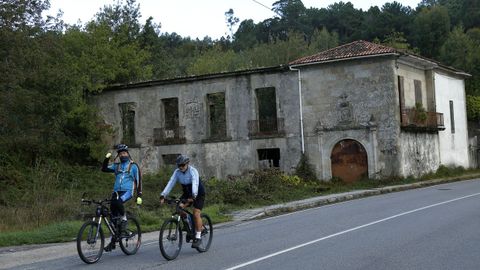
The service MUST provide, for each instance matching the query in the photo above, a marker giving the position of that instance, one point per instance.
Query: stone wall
(352, 100)
(237, 151)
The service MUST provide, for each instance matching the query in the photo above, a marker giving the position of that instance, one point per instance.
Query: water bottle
(188, 221)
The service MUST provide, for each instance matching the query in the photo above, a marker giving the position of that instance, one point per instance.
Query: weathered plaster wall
(352, 100)
(419, 153)
(453, 146)
(410, 74)
(234, 154)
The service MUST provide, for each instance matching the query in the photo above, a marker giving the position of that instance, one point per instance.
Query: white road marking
(347, 231)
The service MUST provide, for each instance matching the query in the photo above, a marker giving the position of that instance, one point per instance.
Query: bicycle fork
(94, 240)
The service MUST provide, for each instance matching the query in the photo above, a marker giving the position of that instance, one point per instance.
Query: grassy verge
(59, 216)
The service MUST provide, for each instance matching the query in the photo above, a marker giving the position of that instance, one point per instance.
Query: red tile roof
(350, 50)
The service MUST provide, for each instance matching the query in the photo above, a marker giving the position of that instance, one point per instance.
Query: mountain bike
(91, 237)
(171, 233)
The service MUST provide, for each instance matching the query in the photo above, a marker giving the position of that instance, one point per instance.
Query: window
(452, 117)
(270, 155)
(267, 109)
(418, 92)
(170, 112)
(127, 111)
(216, 115)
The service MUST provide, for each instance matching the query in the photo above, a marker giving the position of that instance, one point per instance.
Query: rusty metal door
(349, 161)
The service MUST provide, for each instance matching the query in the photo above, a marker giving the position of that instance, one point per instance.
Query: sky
(196, 18)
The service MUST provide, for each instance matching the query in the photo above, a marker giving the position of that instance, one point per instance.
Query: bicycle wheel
(90, 242)
(170, 239)
(131, 243)
(207, 233)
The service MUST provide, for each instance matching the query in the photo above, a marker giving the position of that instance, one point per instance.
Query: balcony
(266, 128)
(167, 136)
(420, 121)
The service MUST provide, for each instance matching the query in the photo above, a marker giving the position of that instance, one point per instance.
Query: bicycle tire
(207, 233)
(86, 243)
(131, 244)
(170, 239)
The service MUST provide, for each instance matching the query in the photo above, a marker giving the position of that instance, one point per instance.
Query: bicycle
(91, 238)
(171, 236)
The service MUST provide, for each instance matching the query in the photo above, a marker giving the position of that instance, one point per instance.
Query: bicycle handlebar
(88, 202)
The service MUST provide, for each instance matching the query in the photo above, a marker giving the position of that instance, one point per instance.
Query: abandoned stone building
(357, 110)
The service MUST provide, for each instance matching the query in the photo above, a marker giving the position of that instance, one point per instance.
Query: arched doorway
(349, 161)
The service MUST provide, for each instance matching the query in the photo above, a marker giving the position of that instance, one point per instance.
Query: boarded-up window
(127, 111)
(270, 155)
(216, 115)
(452, 117)
(418, 92)
(267, 109)
(170, 112)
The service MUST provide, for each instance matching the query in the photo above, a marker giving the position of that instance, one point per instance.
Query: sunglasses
(181, 165)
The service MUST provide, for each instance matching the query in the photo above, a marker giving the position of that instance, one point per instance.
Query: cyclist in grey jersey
(193, 192)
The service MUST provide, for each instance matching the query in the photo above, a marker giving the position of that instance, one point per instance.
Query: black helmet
(121, 148)
(182, 159)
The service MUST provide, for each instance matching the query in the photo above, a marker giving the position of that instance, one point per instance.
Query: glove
(108, 155)
(139, 200)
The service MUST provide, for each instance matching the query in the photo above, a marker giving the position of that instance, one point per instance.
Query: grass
(57, 214)
(53, 233)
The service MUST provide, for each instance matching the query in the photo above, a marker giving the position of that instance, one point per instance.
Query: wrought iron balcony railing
(271, 127)
(166, 136)
(420, 120)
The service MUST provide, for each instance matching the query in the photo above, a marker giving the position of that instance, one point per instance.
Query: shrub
(304, 169)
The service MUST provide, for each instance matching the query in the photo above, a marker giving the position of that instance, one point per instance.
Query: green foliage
(53, 233)
(432, 26)
(304, 169)
(473, 108)
(49, 134)
(446, 172)
(398, 41)
(216, 60)
(420, 113)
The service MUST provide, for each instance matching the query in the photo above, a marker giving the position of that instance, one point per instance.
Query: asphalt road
(437, 227)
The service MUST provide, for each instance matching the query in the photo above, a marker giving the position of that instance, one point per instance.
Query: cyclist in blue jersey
(127, 180)
(193, 192)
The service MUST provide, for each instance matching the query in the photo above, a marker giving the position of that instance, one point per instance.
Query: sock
(198, 235)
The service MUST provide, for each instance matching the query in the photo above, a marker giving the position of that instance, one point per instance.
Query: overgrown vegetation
(51, 139)
(58, 214)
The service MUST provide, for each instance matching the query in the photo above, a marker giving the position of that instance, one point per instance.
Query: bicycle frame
(170, 239)
(91, 237)
(102, 212)
(179, 213)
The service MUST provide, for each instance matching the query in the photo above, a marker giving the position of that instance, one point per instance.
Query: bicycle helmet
(122, 148)
(182, 159)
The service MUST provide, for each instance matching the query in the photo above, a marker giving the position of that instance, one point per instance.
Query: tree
(246, 36)
(112, 52)
(457, 49)
(231, 22)
(396, 18)
(216, 60)
(431, 27)
(344, 19)
(39, 90)
(289, 10)
(398, 41)
(322, 40)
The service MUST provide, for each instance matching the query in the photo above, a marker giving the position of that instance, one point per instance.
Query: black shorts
(197, 203)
